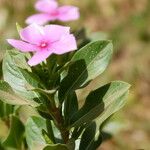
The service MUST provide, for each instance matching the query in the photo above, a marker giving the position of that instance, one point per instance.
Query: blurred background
(127, 24)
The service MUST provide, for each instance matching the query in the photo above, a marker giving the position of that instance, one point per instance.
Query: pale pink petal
(32, 34)
(39, 57)
(68, 13)
(66, 44)
(39, 19)
(46, 6)
(22, 46)
(55, 32)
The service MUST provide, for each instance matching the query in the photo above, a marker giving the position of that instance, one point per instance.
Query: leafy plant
(62, 122)
(48, 82)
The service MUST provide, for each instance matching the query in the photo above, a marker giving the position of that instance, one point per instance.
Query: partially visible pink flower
(44, 41)
(50, 11)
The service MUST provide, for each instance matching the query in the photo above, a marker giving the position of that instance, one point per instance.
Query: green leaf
(7, 95)
(94, 144)
(70, 107)
(5, 109)
(44, 112)
(99, 102)
(50, 130)
(57, 134)
(33, 130)
(114, 99)
(89, 62)
(46, 137)
(42, 91)
(56, 147)
(96, 56)
(75, 70)
(17, 77)
(15, 136)
(88, 136)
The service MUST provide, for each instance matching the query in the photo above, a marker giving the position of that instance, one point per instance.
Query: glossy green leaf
(16, 76)
(88, 134)
(96, 56)
(33, 130)
(96, 140)
(100, 101)
(75, 70)
(7, 95)
(70, 107)
(56, 147)
(89, 62)
(15, 136)
(94, 144)
(87, 142)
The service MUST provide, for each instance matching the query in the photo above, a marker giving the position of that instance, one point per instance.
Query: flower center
(43, 45)
(54, 13)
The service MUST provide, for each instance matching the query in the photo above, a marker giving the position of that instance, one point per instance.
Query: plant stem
(59, 121)
(60, 125)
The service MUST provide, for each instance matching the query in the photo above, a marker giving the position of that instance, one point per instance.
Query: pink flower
(44, 41)
(50, 11)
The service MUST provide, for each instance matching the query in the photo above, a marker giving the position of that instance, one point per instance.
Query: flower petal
(32, 34)
(67, 13)
(39, 57)
(46, 6)
(39, 19)
(66, 44)
(22, 46)
(55, 32)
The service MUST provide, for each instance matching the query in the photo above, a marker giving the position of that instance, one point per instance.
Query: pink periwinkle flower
(44, 41)
(50, 11)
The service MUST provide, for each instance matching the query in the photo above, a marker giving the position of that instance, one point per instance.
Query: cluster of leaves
(50, 89)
